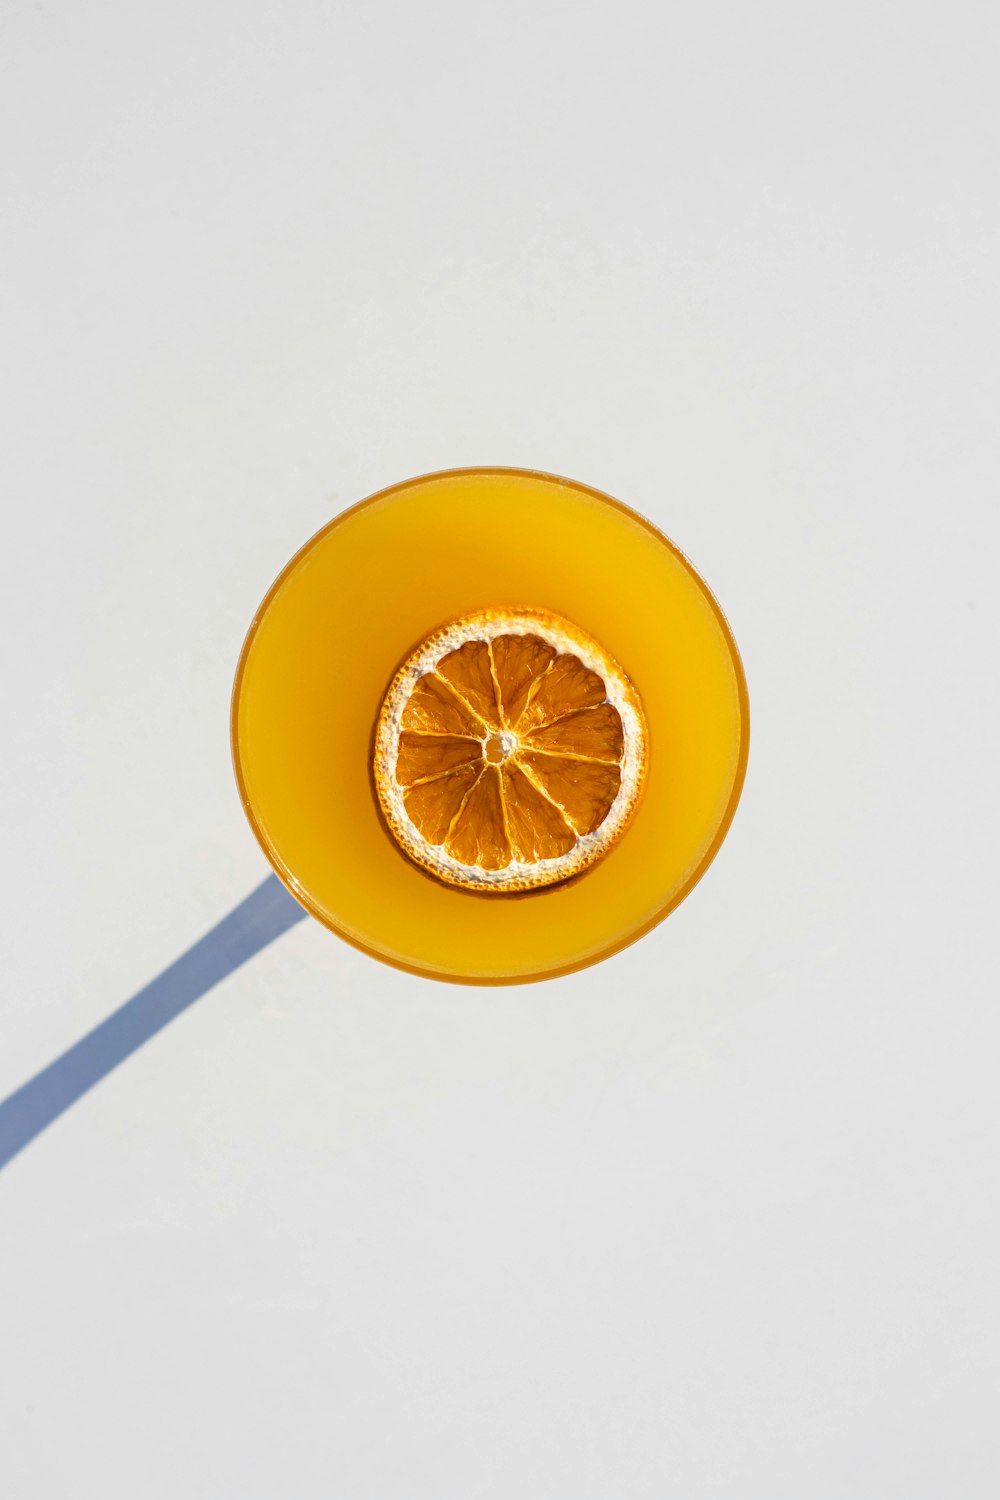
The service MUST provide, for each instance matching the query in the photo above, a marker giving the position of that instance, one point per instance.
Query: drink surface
(351, 607)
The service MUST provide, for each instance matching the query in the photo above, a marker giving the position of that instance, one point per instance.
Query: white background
(717, 1218)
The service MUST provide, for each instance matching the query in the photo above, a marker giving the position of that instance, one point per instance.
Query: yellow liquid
(352, 605)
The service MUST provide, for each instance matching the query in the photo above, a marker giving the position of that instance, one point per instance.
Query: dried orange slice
(510, 751)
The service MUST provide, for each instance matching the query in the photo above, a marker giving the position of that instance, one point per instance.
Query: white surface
(719, 1217)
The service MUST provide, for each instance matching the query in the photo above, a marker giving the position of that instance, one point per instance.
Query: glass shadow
(265, 914)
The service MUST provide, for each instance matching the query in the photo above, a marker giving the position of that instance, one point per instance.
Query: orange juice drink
(490, 726)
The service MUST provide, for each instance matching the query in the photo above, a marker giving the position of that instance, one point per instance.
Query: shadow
(265, 914)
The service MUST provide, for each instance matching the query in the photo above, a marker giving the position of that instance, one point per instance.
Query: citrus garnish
(510, 751)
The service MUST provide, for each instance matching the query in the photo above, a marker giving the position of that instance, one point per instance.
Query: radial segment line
(436, 775)
(593, 760)
(461, 809)
(567, 819)
(442, 734)
(464, 701)
(503, 808)
(569, 712)
(533, 690)
(496, 687)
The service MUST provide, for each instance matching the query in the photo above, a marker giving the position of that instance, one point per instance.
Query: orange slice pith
(510, 751)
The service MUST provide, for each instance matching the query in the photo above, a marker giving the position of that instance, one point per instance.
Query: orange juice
(352, 605)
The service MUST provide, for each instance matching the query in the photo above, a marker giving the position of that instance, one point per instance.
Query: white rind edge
(565, 637)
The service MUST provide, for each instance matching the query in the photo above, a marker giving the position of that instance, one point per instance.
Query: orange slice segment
(470, 672)
(478, 837)
(585, 790)
(423, 755)
(433, 805)
(536, 827)
(593, 732)
(566, 686)
(510, 751)
(519, 661)
(434, 708)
